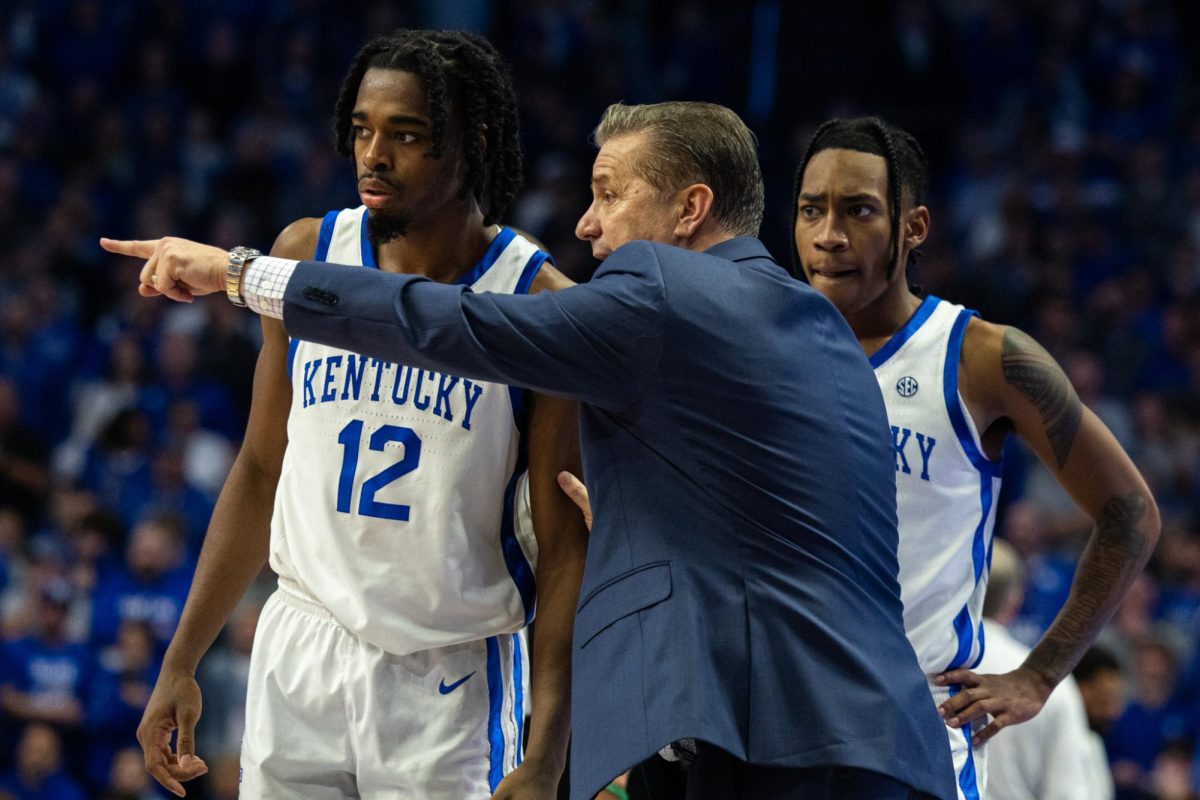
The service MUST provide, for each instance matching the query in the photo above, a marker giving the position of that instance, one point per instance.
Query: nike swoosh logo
(444, 689)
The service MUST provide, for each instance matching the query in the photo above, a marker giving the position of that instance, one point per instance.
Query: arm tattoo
(1029, 368)
(1113, 558)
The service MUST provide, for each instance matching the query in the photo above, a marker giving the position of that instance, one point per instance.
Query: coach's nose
(588, 227)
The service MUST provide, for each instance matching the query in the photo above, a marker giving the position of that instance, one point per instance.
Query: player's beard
(383, 228)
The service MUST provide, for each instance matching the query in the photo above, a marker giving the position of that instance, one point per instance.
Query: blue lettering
(925, 453)
(471, 392)
(330, 393)
(402, 398)
(353, 378)
(898, 446)
(418, 401)
(310, 372)
(380, 366)
(446, 385)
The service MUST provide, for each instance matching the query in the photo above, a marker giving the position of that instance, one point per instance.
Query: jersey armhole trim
(532, 268)
(328, 222)
(954, 406)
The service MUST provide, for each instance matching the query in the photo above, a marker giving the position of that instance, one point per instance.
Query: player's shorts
(970, 763)
(331, 716)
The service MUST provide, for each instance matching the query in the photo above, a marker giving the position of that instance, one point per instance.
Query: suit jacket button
(321, 296)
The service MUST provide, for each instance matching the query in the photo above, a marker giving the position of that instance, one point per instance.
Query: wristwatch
(238, 258)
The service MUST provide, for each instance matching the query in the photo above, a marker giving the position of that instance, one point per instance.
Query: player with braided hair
(412, 508)
(955, 387)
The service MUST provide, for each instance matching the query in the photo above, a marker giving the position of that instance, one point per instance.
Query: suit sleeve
(596, 342)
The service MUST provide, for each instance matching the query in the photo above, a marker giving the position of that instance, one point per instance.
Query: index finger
(130, 247)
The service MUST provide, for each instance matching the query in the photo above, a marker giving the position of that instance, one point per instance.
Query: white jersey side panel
(399, 502)
(946, 488)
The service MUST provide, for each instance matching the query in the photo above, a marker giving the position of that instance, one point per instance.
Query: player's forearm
(550, 677)
(1125, 535)
(235, 549)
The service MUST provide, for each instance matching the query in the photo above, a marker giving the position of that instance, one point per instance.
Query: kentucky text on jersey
(353, 377)
(900, 444)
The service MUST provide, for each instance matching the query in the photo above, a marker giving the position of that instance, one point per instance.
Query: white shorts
(331, 716)
(970, 763)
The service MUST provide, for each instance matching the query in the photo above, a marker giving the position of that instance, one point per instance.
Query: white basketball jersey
(946, 488)
(395, 507)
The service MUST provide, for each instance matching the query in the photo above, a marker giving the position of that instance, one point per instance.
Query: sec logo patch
(907, 386)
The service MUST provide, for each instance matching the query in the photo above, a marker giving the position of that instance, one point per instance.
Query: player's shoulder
(298, 240)
(549, 279)
(992, 353)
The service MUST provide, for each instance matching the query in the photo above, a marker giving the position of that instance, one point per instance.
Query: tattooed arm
(1011, 383)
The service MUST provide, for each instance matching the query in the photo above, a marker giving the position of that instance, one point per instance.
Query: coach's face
(624, 206)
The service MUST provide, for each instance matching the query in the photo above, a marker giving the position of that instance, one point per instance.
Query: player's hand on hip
(177, 268)
(174, 705)
(529, 781)
(1010, 699)
(574, 489)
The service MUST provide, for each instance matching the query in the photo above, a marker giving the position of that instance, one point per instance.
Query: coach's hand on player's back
(174, 705)
(574, 489)
(1010, 698)
(177, 268)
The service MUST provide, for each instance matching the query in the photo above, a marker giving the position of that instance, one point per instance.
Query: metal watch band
(238, 257)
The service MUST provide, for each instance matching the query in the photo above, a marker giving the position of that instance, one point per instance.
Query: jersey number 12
(350, 439)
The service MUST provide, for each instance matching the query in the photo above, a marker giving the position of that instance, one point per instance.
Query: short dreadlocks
(456, 70)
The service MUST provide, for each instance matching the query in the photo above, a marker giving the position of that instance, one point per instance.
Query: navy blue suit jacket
(740, 585)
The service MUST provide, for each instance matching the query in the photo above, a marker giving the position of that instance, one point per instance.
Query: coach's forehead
(617, 159)
(845, 172)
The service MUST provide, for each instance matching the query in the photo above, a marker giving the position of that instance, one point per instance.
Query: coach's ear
(693, 205)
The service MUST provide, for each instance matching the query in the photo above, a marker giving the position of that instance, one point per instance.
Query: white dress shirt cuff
(264, 282)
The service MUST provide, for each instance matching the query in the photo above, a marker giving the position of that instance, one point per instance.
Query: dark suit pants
(716, 775)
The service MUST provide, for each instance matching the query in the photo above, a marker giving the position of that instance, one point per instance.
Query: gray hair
(690, 143)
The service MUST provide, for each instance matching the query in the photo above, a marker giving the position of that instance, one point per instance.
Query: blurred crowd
(1065, 142)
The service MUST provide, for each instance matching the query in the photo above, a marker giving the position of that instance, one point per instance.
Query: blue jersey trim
(514, 557)
(962, 633)
(954, 408)
(368, 252)
(328, 222)
(293, 346)
(901, 336)
(968, 781)
(988, 469)
(982, 646)
(495, 683)
(532, 267)
(494, 250)
(519, 702)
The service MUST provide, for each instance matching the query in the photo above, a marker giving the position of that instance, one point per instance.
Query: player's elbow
(1151, 527)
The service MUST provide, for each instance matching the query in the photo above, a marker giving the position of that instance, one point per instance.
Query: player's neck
(442, 248)
(876, 323)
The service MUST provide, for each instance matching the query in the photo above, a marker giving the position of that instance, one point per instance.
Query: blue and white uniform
(390, 660)
(946, 493)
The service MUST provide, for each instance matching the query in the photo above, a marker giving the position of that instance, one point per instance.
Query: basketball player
(955, 386)
(389, 661)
